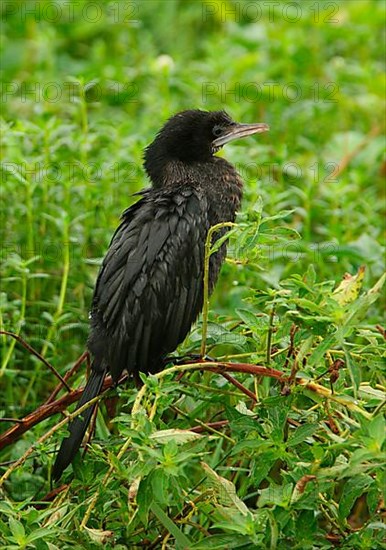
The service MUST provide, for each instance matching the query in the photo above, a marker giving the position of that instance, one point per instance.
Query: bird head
(194, 136)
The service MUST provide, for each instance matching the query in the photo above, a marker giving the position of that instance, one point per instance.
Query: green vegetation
(290, 460)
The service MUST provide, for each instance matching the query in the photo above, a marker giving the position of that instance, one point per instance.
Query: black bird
(149, 289)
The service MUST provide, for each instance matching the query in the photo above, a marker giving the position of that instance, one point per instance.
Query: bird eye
(217, 130)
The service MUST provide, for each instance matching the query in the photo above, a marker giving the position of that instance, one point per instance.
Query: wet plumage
(149, 289)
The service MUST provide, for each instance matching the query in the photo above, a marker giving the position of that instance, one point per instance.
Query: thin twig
(291, 347)
(45, 411)
(205, 309)
(46, 436)
(67, 376)
(36, 354)
(269, 337)
(381, 330)
(240, 386)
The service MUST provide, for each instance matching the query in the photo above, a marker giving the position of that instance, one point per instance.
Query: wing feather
(149, 289)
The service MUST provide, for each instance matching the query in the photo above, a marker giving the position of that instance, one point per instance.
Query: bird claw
(189, 358)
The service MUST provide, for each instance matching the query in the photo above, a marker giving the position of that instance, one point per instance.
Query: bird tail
(78, 426)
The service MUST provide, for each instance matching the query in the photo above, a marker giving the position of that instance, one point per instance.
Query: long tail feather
(78, 426)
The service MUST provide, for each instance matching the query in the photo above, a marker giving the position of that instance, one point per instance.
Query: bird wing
(149, 289)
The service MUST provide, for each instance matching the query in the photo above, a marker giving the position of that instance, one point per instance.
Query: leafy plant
(279, 440)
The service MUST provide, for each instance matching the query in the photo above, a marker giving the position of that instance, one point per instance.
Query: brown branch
(50, 408)
(291, 348)
(208, 426)
(67, 376)
(240, 386)
(15, 420)
(269, 335)
(45, 411)
(246, 368)
(381, 330)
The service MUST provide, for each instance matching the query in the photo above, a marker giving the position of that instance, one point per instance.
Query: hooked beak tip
(239, 130)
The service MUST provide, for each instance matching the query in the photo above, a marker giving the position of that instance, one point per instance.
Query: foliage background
(85, 87)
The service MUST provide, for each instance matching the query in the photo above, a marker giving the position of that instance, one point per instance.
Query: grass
(297, 463)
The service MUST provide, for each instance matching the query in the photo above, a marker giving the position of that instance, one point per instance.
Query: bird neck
(211, 173)
(215, 180)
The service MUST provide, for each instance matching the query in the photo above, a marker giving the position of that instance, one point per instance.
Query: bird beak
(238, 130)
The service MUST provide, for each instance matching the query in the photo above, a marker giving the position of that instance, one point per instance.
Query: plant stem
(205, 309)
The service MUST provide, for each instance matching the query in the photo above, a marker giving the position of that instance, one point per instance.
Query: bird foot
(188, 358)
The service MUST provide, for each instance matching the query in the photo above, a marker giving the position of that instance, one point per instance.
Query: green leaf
(99, 536)
(377, 429)
(353, 489)
(305, 349)
(225, 490)
(280, 216)
(349, 288)
(301, 433)
(276, 495)
(318, 354)
(178, 436)
(221, 240)
(264, 463)
(309, 305)
(17, 530)
(368, 393)
(306, 525)
(182, 541)
(144, 499)
(249, 318)
(221, 542)
(159, 483)
(358, 309)
(353, 369)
